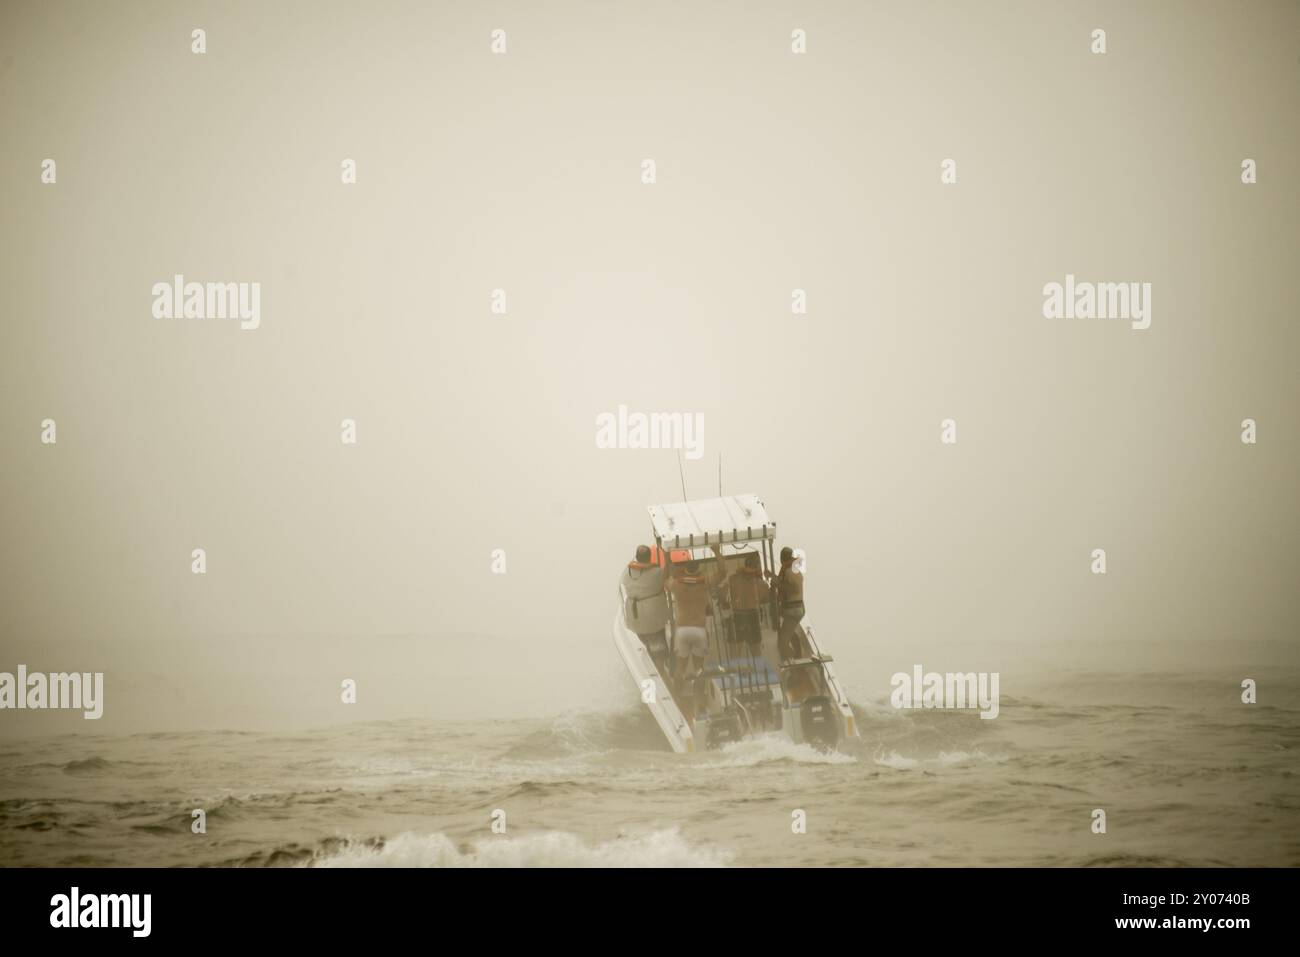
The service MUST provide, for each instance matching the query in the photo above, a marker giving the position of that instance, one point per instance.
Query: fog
(476, 431)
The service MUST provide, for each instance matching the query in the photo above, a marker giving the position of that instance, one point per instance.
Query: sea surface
(1186, 773)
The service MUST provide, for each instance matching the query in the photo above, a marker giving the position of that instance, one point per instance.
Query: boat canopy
(711, 521)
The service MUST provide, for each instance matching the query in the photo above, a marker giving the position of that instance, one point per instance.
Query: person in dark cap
(645, 608)
(789, 586)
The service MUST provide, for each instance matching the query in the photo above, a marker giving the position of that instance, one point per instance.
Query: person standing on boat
(748, 590)
(789, 586)
(645, 609)
(690, 591)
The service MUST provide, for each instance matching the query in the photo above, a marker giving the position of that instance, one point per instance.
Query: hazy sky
(523, 172)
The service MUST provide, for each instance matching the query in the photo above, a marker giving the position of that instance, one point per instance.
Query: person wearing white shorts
(691, 641)
(690, 587)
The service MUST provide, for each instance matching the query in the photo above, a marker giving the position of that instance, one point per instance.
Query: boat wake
(889, 738)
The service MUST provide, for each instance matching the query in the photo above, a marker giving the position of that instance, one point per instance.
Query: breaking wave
(943, 759)
(664, 848)
(575, 732)
(749, 752)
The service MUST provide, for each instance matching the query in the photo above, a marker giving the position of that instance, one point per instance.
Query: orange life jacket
(657, 557)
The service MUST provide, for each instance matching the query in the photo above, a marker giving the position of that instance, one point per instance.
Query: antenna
(681, 473)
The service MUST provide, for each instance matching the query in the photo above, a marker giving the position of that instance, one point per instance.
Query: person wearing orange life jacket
(748, 590)
(645, 607)
(789, 585)
(690, 591)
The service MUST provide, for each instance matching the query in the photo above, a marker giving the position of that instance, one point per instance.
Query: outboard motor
(723, 729)
(821, 727)
(761, 713)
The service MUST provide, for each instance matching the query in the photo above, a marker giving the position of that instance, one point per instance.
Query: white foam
(895, 760)
(944, 759)
(664, 848)
(775, 747)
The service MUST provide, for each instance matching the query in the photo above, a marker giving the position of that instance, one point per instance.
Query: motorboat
(745, 686)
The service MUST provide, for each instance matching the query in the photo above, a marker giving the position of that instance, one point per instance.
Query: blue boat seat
(742, 674)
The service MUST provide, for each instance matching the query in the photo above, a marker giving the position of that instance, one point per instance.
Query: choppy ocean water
(1186, 773)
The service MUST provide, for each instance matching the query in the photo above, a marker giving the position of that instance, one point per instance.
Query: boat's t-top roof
(711, 521)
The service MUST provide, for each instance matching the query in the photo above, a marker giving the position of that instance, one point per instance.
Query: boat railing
(832, 682)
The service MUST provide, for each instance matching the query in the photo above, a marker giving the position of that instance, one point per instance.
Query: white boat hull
(656, 694)
(652, 687)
